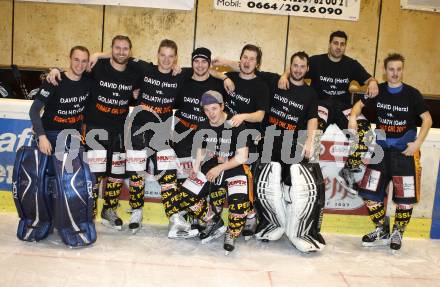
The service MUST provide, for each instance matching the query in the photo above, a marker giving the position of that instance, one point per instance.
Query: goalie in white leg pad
(270, 199)
(301, 205)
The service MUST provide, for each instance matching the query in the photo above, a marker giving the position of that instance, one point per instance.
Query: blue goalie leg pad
(32, 201)
(73, 201)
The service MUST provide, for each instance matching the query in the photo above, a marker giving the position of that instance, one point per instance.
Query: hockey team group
(246, 139)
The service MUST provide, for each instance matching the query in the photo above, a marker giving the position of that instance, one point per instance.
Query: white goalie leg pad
(301, 198)
(136, 160)
(270, 196)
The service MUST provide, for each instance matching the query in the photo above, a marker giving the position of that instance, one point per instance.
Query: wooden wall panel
(5, 31)
(225, 33)
(44, 33)
(415, 34)
(312, 34)
(147, 27)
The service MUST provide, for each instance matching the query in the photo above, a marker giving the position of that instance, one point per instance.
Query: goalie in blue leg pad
(73, 200)
(32, 202)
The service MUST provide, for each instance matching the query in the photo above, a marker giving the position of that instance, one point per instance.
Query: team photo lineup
(247, 139)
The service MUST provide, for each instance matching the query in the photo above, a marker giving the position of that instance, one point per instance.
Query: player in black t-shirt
(64, 104)
(157, 96)
(220, 161)
(248, 103)
(291, 111)
(112, 89)
(331, 75)
(190, 115)
(158, 89)
(399, 107)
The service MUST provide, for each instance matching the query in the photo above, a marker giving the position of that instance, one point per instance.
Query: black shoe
(379, 237)
(396, 239)
(214, 229)
(229, 243)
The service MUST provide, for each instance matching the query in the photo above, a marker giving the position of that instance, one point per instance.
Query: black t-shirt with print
(65, 103)
(222, 142)
(289, 109)
(397, 113)
(111, 93)
(332, 79)
(188, 100)
(249, 96)
(158, 91)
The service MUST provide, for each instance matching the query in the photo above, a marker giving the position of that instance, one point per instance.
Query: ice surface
(149, 258)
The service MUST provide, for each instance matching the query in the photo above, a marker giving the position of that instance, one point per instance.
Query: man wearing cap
(220, 160)
(189, 117)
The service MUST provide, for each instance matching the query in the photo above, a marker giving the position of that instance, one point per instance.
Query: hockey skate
(379, 237)
(110, 218)
(229, 243)
(214, 229)
(346, 178)
(250, 226)
(180, 228)
(396, 239)
(135, 220)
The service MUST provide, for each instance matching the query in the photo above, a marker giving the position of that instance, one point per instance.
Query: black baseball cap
(203, 53)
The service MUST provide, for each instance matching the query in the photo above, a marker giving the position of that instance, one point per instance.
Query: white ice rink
(150, 259)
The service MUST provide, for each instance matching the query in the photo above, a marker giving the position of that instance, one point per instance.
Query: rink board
(332, 223)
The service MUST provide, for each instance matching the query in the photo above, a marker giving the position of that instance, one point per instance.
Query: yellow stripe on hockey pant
(333, 223)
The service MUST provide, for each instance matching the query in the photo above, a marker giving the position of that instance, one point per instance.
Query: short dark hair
(255, 49)
(302, 55)
(393, 57)
(121, 38)
(80, 48)
(340, 34)
(166, 43)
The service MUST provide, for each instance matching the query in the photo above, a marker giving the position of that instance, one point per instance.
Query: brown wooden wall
(41, 34)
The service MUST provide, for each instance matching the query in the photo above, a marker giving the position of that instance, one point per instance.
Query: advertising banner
(331, 9)
(165, 4)
(13, 135)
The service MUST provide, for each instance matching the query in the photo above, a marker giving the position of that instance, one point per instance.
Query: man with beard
(112, 89)
(298, 212)
(158, 89)
(331, 74)
(399, 107)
